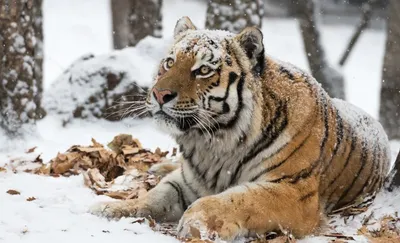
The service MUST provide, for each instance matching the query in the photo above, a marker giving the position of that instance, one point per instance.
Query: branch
(393, 180)
(364, 22)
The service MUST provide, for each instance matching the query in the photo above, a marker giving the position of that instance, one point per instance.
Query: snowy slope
(76, 27)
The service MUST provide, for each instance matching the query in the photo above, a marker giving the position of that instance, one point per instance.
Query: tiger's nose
(164, 95)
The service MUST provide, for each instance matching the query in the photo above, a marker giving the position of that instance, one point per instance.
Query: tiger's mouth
(183, 123)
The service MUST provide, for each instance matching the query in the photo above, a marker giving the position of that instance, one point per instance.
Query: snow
(87, 77)
(362, 122)
(74, 28)
(59, 214)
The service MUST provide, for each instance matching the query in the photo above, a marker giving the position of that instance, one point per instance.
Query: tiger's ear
(251, 41)
(182, 25)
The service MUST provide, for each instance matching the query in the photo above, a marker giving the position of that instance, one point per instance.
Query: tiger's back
(344, 148)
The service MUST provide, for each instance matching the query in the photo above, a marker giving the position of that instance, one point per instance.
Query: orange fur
(315, 157)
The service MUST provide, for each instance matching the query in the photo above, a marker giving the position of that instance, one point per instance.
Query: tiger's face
(198, 83)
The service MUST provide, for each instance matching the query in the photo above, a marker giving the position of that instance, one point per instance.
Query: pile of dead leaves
(387, 230)
(120, 170)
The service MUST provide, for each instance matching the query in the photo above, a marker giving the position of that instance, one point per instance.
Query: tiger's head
(202, 83)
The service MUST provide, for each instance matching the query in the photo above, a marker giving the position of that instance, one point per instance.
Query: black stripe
(268, 189)
(232, 78)
(216, 84)
(308, 195)
(377, 178)
(211, 57)
(188, 157)
(215, 177)
(268, 136)
(178, 189)
(339, 139)
(233, 120)
(287, 72)
(259, 68)
(352, 147)
(363, 160)
(369, 176)
(304, 173)
(308, 171)
(188, 185)
(266, 170)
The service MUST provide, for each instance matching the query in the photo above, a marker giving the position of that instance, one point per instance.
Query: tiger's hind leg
(254, 208)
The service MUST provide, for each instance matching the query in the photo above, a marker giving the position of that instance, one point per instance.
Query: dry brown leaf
(31, 150)
(29, 199)
(160, 153)
(87, 149)
(384, 240)
(43, 170)
(194, 240)
(123, 139)
(13, 192)
(38, 159)
(96, 144)
(63, 162)
(129, 150)
(140, 221)
(339, 236)
(121, 195)
(2, 169)
(152, 223)
(93, 179)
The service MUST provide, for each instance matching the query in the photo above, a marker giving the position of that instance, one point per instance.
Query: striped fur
(263, 145)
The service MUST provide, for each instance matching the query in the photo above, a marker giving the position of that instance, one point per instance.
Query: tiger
(264, 148)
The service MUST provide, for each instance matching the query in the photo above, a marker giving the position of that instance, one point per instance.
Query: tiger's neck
(207, 160)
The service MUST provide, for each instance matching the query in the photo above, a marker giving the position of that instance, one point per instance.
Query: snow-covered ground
(76, 27)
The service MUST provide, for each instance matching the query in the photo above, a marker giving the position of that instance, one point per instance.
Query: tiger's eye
(169, 63)
(204, 70)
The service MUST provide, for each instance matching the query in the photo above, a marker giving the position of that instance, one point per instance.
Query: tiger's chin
(167, 125)
(174, 126)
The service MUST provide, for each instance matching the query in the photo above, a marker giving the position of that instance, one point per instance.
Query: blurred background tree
(308, 13)
(133, 20)
(389, 112)
(234, 16)
(20, 64)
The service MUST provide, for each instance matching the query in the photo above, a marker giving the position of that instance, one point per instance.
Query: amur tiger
(264, 147)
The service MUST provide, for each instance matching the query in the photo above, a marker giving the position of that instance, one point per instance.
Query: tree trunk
(234, 15)
(20, 64)
(393, 180)
(331, 79)
(133, 20)
(389, 111)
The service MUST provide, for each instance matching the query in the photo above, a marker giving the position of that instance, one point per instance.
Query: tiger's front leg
(253, 208)
(166, 202)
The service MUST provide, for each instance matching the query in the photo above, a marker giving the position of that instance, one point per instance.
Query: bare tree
(20, 64)
(389, 111)
(364, 22)
(234, 15)
(330, 78)
(133, 20)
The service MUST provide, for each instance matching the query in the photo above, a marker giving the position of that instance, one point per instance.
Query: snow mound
(100, 86)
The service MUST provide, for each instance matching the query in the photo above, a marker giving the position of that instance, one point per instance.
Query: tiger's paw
(119, 209)
(208, 222)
